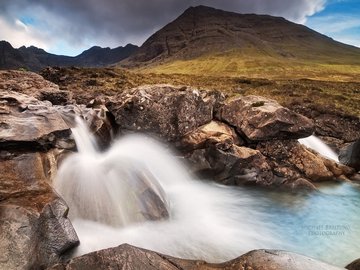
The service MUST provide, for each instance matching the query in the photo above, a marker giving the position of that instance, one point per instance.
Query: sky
(69, 27)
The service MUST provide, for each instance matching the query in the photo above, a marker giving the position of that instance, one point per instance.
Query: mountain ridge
(35, 59)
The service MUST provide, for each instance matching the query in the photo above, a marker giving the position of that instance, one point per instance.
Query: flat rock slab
(29, 123)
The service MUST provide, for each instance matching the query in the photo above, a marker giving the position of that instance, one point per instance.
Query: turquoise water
(324, 225)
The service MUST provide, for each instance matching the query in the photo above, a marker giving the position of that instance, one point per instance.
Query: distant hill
(33, 58)
(205, 40)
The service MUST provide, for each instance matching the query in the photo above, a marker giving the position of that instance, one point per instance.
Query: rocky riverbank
(243, 140)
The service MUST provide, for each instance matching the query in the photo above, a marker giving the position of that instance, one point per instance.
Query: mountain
(35, 59)
(206, 40)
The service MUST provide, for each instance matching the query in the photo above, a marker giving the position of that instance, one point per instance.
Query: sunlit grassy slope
(264, 65)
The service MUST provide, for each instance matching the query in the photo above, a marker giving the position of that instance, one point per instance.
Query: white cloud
(19, 34)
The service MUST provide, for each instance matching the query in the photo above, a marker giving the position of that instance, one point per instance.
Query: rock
(332, 126)
(302, 184)
(262, 119)
(279, 260)
(301, 161)
(350, 156)
(56, 97)
(127, 257)
(35, 231)
(213, 132)
(28, 83)
(97, 119)
(355, 265)
(346, 128)
(30, 123)
(232, 165)
(162, 110)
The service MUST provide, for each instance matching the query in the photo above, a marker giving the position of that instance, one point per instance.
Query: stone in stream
(350, 156)
(128, 257)
(355, 265)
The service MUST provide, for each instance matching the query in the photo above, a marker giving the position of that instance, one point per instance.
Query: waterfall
(139, 193)
(319, 146)
(116, 187)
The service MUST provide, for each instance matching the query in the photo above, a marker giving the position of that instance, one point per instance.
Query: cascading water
(138, 193)
(319, 146)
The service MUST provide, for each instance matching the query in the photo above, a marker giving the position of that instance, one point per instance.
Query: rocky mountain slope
(35, 59)
(211, 41)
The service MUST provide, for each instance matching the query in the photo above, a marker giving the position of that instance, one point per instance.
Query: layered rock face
(128, 257)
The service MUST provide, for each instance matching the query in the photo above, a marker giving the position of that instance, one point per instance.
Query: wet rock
(165, 111)
(97, 119)
(294, 159)
(34, 228)
(355, 265)
(350, 155)
(28, 123)
(127, 257)
(262, 119)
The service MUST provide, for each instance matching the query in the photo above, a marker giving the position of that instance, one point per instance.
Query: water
(319, 146)
(202, 220)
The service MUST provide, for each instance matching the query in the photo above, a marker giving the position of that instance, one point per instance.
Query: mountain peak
(203, 31)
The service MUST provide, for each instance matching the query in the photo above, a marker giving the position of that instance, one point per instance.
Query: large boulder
(260, 119)
(127, 257)
(162, 110)
(34, 229)
(350, 155)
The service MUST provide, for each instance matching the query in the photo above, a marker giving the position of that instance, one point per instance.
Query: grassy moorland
(327, 95)
(236, 63)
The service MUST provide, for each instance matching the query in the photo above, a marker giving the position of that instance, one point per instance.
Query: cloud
(338, 22)
(82, 23)
(19, 34)
(344, 28)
